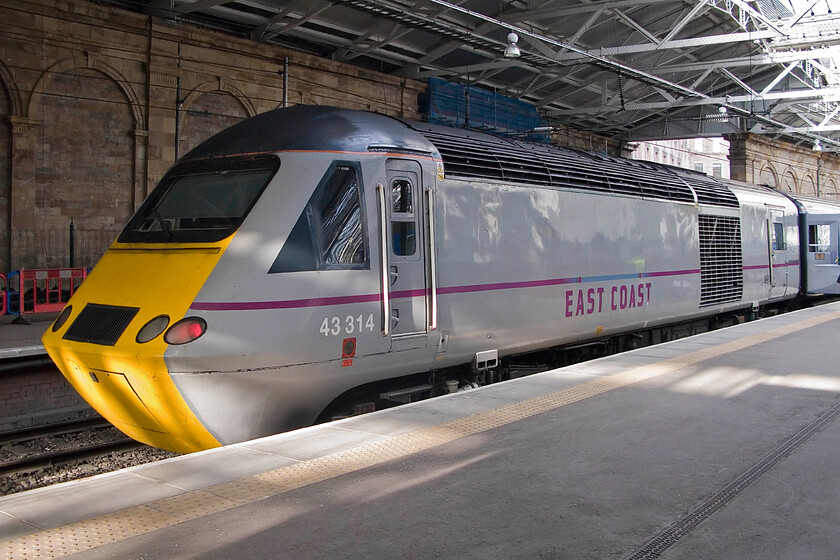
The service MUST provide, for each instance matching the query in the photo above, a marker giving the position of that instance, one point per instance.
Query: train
(316, 262)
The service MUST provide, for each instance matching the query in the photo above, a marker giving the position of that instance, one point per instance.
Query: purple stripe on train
(366, 298)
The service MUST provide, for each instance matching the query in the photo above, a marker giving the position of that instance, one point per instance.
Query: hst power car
(307, 258)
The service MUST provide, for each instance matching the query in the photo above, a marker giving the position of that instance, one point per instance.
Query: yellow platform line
(118, 526)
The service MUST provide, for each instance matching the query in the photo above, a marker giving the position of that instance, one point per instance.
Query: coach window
(819, 238)
(403, 221)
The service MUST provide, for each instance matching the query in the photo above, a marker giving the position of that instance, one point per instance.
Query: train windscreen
(201, 201)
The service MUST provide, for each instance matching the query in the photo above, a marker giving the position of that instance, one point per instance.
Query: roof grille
(100, 324)
(469, 155)
(721, 269)
(710, 191)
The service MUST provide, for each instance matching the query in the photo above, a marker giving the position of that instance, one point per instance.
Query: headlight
(62, 318)
(152, 329)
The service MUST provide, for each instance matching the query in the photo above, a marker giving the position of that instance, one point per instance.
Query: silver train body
(380, 248)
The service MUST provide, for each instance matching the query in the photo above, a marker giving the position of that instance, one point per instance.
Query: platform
(23, 340)
(723, 445)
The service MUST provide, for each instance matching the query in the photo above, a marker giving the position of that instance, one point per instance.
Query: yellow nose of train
(98, 345)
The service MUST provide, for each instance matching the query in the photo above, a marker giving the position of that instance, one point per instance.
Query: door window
(778, 233)
(403, 219)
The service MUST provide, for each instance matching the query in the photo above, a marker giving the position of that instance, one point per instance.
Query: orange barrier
(42, 290)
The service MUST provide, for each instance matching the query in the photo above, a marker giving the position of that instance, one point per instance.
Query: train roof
(816, 206)
(466, 154)
(316, 128)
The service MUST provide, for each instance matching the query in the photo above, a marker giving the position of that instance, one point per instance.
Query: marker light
(62, 318)
(152, 329)
(186, 330)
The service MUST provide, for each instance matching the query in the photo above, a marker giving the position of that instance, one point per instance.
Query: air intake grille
(101, 324)
(721, 271)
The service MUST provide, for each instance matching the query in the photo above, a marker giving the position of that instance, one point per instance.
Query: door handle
(395, 318)
(383, 256)
(393, 273)
(433, 310)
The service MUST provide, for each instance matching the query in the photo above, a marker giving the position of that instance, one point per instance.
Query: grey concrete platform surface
(23, 340)
(723, 445)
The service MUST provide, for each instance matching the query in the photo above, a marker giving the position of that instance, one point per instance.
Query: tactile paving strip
(106, 529)
(655, 547)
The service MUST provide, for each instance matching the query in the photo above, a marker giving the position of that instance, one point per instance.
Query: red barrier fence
(41, 290)
(4, 294)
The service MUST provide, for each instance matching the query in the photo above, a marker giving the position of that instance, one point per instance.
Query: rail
(53, 429)
(44, 460)
(57, 457)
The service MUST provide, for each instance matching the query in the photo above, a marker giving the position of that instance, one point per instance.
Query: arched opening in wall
(209, 113)
(829, 190)
(809, 186)
(789, 182)
(82, 171)
(767, 176)
(5, 176)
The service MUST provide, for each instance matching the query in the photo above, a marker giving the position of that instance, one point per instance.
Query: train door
(406, 254)
(777, 251)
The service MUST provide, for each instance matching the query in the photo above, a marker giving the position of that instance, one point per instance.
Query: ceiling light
(512, 51)
(817, 146)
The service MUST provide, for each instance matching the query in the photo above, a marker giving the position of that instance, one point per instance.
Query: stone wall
(783, 166)
(96, 102)
(29, 396)
(588, 141)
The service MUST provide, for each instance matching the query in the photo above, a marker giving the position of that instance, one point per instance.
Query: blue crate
(446, 103)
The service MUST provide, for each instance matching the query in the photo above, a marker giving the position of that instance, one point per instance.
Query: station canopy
(634, 69)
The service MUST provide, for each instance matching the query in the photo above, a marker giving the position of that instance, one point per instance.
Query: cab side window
(331, 231)
(337, 214)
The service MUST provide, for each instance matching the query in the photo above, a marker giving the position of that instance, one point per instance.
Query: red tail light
(186, 330)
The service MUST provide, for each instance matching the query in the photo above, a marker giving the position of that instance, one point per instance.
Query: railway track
(45, 455)
(35, 448)
(53, 429)
(58, 458)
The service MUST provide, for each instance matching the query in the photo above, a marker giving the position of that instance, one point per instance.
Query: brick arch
(830, 187)
(7, 82)
(79, 163)
(208, 110)
(789, 181)
(91, 63)
(768, 175)
(212, 86)
(808, 184)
